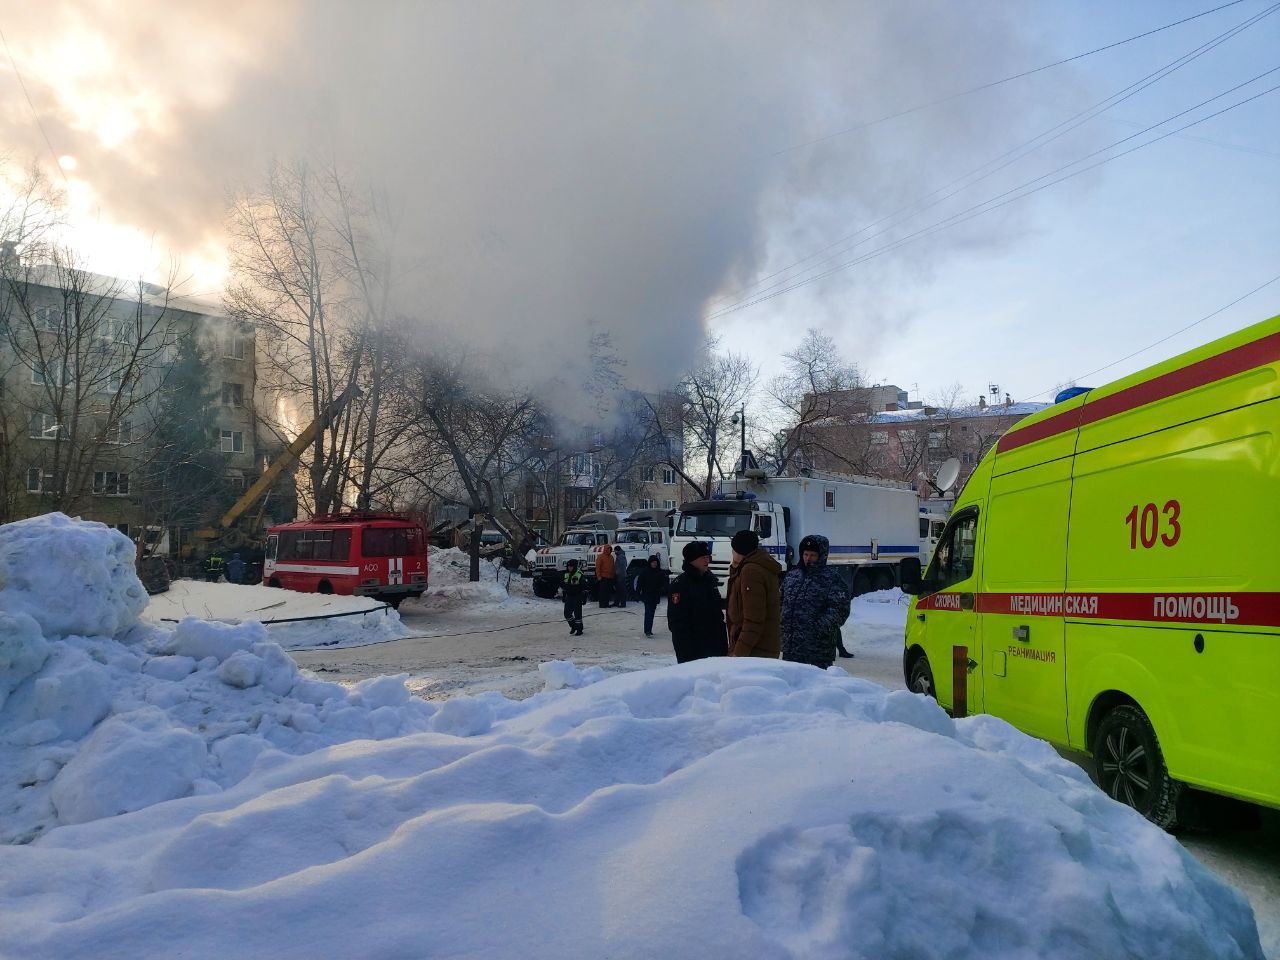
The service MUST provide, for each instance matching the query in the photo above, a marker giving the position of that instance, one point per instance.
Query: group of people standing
(797, 616)
(612, 587)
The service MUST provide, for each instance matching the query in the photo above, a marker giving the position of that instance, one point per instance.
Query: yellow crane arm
(289, 456)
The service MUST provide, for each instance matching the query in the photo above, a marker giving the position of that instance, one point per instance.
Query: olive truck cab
(583, 541)
(1106, 579)
(871, 524)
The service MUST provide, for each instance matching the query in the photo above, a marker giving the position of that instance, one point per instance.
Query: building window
(48, 319)
(232, 394)
(234, 347)
(232, 441)
(879, 436)
(39, 481)
(646, 474)
(117, 329)
(646, 503)
(668, 475)
(907, 435)
(108, 483)
(120, 432)
(44, 426)
(601, 503)
(828, 500)
(669, 504)
(935, 440)
(236, 484)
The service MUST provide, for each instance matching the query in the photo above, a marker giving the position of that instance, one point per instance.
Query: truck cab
(583, 542)
(715, 521)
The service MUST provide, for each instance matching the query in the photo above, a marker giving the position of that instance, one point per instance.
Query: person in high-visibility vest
(213, 567)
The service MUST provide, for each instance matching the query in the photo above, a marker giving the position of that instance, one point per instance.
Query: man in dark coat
(235, 569)
(693, 608)
(815, 603)
(619, 577)
(650, 584)
(573, 590)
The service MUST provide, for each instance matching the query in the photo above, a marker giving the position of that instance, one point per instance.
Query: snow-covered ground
(293, 620)
(189, 793)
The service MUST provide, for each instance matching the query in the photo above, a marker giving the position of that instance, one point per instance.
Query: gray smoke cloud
(557, 167)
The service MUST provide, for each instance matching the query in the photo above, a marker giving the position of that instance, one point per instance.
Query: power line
(1014, 154)
(34, 113)
(1165, 339)
(996, 83)
(1013, 194)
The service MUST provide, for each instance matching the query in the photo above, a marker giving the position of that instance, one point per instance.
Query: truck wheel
(884, 580)
(1130, 767)
(544, 590)
(274, 582)
(325, 587)
(920, 679)
(861, 583)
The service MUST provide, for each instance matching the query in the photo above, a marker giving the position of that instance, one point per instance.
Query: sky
(563, 168)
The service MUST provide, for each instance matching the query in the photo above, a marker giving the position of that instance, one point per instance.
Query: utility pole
(741, 418)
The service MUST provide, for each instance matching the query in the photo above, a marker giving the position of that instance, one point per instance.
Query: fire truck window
(320, 541)
(302, 549)
(341, 548)
(288, 542)
(272, 543)
(382, 542)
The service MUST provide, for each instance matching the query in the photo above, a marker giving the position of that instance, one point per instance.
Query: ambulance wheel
(1130, 767)
(920, 678)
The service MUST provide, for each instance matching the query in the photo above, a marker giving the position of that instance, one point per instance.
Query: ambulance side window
(954, 559)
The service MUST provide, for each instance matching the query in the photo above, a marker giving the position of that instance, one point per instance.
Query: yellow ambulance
(1109, 579)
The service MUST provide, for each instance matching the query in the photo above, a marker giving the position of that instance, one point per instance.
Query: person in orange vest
(604, 577)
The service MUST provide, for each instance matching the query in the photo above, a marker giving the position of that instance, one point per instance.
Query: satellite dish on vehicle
(947, 476)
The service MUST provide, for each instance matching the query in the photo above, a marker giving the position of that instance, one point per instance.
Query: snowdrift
(289, 616)
(715, 809)
(450, 588)
(101, 714)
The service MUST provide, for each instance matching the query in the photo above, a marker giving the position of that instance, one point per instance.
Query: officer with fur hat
(754, 611)
(815, 603)
(693, 608)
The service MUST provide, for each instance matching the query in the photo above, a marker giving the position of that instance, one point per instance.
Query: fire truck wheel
(274, 582)
(1130, 767)
(920, 679)
(325, 587)
(394, 602)
(544, 590)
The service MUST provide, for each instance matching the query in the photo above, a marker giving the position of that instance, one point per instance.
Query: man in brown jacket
(754, 612)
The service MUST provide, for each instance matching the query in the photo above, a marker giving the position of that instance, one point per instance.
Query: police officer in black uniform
(694, 614)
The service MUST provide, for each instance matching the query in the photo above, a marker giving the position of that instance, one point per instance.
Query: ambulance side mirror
(909, 574)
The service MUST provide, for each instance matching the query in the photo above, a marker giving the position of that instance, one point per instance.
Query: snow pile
(451, 588)
(69, 576)
(886, 608)
(719, 809)
(94, 725)
(287, 614)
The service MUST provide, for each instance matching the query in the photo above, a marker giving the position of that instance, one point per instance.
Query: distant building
(865, 432)
(81, 357)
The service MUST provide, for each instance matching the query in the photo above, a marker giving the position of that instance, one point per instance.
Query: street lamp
(741, 417)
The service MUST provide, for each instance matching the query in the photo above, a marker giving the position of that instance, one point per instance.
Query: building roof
(1023, 409)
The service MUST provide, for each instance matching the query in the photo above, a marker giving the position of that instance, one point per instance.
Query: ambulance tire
(920, 679)
(1130, 766)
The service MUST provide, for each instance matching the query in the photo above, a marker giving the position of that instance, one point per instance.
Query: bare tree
(815, 391)
(691, 424)
(312, 273)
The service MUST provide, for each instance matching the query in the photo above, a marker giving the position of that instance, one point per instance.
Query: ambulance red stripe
(1244, 609)
(1236, 360)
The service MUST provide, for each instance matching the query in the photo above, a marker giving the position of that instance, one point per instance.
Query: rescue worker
(753, 609)
(694, 616)
(213, 567)
(572, 588)
(619, 577)
(235, 569)
(604, 577)
(650, 584)
(815, 603)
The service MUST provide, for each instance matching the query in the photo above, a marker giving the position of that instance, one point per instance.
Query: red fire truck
(380, 555)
